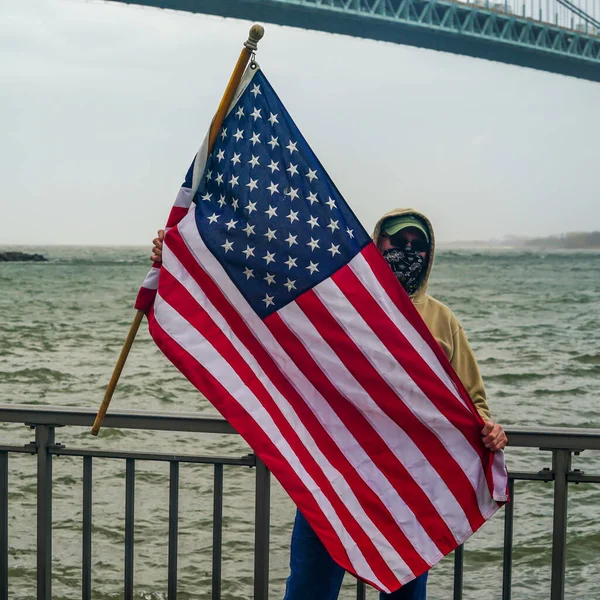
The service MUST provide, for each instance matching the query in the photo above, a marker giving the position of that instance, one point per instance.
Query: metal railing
(562, 443)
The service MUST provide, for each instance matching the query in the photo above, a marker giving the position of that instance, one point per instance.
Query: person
(405, 237)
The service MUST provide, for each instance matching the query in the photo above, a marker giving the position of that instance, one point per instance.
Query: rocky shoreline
(21, 257)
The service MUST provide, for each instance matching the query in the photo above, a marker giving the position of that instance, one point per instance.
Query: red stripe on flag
(225, 403)
(392, 404)
(190, 310)
(177, 213)
(412, 362)
(404, 304)
(145, 299)
(389, 283)
(398, 476)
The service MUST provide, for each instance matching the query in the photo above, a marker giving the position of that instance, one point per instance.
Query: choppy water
(533, 320)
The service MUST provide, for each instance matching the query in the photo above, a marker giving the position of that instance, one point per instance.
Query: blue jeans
(316, 576)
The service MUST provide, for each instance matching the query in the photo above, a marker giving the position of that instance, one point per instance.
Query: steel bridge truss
(483, 29)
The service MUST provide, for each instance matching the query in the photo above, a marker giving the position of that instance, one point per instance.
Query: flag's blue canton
(267, 209)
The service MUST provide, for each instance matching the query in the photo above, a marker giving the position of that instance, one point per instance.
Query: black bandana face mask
(407, 266)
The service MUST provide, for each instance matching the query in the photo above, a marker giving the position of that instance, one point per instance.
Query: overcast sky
(102, 107)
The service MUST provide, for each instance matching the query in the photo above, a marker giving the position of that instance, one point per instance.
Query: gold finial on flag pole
(250, 46)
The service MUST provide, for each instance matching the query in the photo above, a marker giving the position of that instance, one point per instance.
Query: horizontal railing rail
(562, 443)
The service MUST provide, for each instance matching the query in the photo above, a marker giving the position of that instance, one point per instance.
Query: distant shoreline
(565, 241)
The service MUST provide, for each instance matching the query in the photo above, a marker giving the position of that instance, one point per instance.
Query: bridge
(558, 36)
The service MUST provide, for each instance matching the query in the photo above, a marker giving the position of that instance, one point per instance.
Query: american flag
(275, 303)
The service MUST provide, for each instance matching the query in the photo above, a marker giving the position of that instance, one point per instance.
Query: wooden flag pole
(250, 46)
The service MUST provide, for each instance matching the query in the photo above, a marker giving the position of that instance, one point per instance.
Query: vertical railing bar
(129, 530)
(3, 525)
(217, 549)
(458, 572)
(173, 529)
(261, 532)
(44, 437)
(86, 559)
(361, 590)
(561, 464)
(509, 515)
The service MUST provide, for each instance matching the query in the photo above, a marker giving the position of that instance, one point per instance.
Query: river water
(533, 320)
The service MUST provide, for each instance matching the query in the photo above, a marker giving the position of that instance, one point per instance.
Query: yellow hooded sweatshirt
(444, 325)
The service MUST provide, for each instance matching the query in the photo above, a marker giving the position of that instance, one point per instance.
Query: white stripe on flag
(397, 440)
(387, 429)
(322, 410)
(400, 381)
(191, 340)
(366, 276)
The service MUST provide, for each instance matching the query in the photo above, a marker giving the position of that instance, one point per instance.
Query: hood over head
(419, 295)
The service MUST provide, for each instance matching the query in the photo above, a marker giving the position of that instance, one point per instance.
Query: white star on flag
(291, 262)
(333, 225)
(313, 244)
(334, 250)
(268, 300)
(312, 175)
(293, 216)
(312, 267)
(248, 252)
(292, 193)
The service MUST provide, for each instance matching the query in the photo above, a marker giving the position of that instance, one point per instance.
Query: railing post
(261, 532)
(86, 545)
(217, 549)
(44, 437)
(509, 513)
(561, 465)
(173, 529)
(459, 560)
(3, 525)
